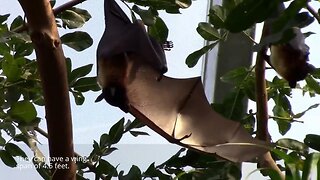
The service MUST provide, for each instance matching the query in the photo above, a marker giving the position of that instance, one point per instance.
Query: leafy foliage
(20, 84)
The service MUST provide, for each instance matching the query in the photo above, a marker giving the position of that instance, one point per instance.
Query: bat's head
(115, 96)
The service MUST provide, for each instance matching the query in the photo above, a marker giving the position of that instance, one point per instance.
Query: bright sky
(93, 119)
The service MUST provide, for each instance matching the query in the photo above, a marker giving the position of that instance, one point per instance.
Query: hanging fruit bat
(129, 65)
(290, 59)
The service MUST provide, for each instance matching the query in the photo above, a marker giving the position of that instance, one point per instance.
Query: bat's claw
(292, 84)
(124, 109)
(99, 98)
(159, 77)
(167, 45)
(162, 71)
(184, 137)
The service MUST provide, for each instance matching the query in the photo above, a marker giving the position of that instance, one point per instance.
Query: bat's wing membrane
(179, 111)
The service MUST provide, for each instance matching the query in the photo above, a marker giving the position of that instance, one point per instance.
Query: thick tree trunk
(51, 63)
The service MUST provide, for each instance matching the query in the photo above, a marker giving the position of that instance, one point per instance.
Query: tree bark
(265, 161)
(52, 67)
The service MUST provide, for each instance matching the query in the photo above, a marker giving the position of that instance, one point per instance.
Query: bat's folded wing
(178, 110)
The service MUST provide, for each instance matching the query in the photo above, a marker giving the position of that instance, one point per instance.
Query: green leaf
(82, 12)
(23, 48)
(86, 84)
(134, 124)
(107, 150)
(280, 112)
(106, 168)
(283, 155)
(313, 84)
(316, 73)
(284, 125)
(95, 151)
(147, 16)
(23, 111)
(2, 140)
(134, 173)
(152, 171)
(287, 18)
(12, 67)
(68, 66)
(194, 57)
(8, 128)
(169, 6)
(78, 40)
(7, 159)
(104, 140)
(292, 171)
(4, 47)
(17, 22)
(235, 76)
(42, 169)
(249, 86)
(217, 16)
(12, 94)
(313, 141)
(249, 12)
(183, 3)
(299, 115)
(309, 164)
(208, 32)
(293, 145)
(71, 19)
(138, 133)
(232, 106)
(80, 176)
(52, 3)
(116, 131)
(3, 18)
(15, 150)
(18, 38)
(78, 97)
(318, 169)
(248, 122)
(159, 30)
(79, 72)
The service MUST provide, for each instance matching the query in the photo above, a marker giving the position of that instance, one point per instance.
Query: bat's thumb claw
(99, 98)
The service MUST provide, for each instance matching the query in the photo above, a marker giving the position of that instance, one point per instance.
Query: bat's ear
(100, 97)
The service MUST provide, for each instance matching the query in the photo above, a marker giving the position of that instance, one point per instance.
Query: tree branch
(261, 98)
(66, 6)
(265, 161)
(56, 11)
(313, 12)
(51, 63)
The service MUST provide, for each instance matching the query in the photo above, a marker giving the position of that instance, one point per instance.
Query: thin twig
(66, 6)
(56, 11)
(285, 119)
(313, 12)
